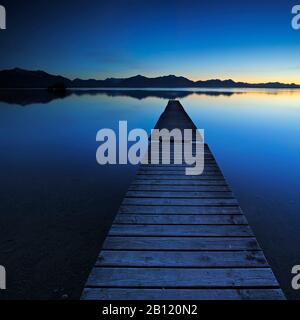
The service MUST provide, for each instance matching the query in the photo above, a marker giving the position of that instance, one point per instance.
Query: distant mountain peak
(138, 76)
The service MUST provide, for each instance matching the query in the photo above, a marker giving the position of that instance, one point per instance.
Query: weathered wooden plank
(179, 210)
(182, 277)
(189, 153)
(180, 243)
(190, 145)
(173, 169)
(181, 158)
(177, 160)
(178, 148)
(176, 182)
(181, 230)
(181, 259)
(153, 159)
(159, 163)
(208, 164)
(174, 188)
(178, 177)
(176, 173)
(208, 159)
(179, 219)
(181, 294)
(178, 194)
(179, 202)
(176, 168)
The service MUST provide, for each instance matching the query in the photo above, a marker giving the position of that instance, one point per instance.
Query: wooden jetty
(180, 237)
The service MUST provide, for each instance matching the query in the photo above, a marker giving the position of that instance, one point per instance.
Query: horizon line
(148, 77)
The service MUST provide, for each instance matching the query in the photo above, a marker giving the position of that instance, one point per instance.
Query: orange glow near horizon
(255, 76)
(251, 79)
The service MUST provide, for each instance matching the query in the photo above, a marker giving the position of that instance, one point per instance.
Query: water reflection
(28, 97)
(55, 199)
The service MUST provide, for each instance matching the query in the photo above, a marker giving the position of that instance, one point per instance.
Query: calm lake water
(57, 203)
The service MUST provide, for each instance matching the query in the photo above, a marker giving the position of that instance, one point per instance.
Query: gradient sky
(244, 40)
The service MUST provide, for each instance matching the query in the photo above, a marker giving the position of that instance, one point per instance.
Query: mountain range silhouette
(21, 78)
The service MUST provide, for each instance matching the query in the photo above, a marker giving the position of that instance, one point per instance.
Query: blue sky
(243, 40)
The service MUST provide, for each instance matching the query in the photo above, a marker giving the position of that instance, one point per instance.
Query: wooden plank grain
(180, 202)
(181, 294)
(149, 209)
(182, 277)
(181, 230)
(181, 259)
(180, 188)
(177, 172)
(178, 194)
(179, 177)
(181, 182)
(180, 243)
(176, 167)
(179, 219)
